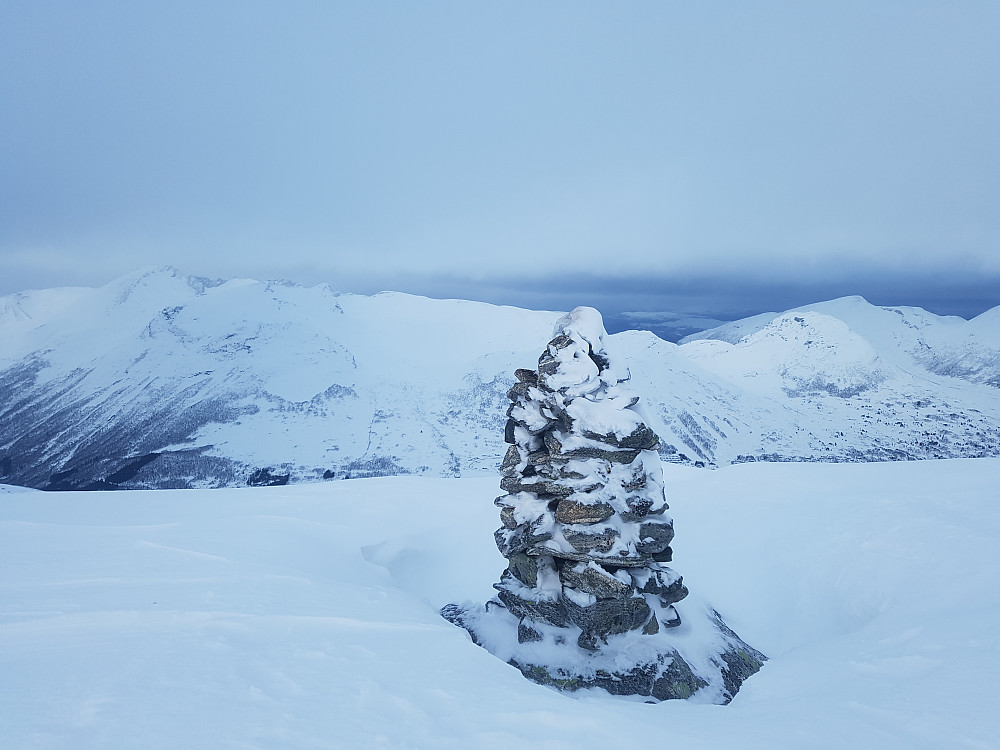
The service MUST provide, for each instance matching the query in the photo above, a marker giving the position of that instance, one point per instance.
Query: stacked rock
(584, 526)
(587, 540)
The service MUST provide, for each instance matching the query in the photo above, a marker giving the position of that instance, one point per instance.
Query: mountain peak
(160, 379)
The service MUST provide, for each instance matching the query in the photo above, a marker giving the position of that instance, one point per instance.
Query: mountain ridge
(163, 380)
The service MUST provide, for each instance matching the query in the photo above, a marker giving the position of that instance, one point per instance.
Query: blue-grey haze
(717, 158)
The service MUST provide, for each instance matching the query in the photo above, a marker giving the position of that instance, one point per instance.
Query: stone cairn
(584, 528)
(586, 536)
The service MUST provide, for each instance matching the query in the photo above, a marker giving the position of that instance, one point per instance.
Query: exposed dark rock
(655, 536)
(507, 518)
(639, 507)
(641, 438)
(586, 541)
(546, 548)
(508, 431)
(539, 486)
(265, 478)
(741, 663)
(524, 568)
(518, 391)
(668, 678)
(544, 610)
(510, 461)
(526, 376)
(593, 579)
(652, 626)
(526, 633)
(609, 616)
(676, 681)
(665, 556)
(132, 468)
(519, 539)
(556, 452)
(666, 585)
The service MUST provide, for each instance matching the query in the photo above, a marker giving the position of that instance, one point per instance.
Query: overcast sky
(719, 157)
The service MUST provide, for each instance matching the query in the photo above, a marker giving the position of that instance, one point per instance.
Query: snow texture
(306, 616)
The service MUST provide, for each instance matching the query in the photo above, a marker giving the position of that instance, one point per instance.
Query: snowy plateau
(159, 380)
(306, 616)
(212, 614)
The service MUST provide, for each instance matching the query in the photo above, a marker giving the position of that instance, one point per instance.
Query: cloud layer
(774, 145)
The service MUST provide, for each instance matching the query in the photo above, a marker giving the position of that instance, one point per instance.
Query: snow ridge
(160, 380)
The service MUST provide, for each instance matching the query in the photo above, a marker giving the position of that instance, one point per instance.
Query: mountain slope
(163, 380)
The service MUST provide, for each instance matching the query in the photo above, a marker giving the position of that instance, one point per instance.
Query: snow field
(306, 616)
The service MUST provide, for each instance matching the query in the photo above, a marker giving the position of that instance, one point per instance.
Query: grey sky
(547, 154)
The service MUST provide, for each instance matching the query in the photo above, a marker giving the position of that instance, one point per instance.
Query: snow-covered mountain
(163, 380)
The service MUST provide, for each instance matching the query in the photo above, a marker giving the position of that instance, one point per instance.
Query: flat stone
(521, 539)
(594, 580)
(669, 677)
(530, 417)
(583, 541)
(609, 616)
(615, 457)
(636, 512)
(543, 486)
(556, 452)
(546, 548)
(551, 612)
(641, 438)
(505, 501)
(571, 511)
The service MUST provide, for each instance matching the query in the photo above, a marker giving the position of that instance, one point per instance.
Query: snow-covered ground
(306, 616)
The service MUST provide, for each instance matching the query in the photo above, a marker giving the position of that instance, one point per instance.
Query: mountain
(160, 380)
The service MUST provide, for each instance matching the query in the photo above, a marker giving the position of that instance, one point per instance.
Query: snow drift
(306, 616)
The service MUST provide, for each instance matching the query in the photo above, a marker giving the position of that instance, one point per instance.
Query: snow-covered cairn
(587, 599)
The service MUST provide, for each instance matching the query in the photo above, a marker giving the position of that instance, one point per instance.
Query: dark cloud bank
(674, 306)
